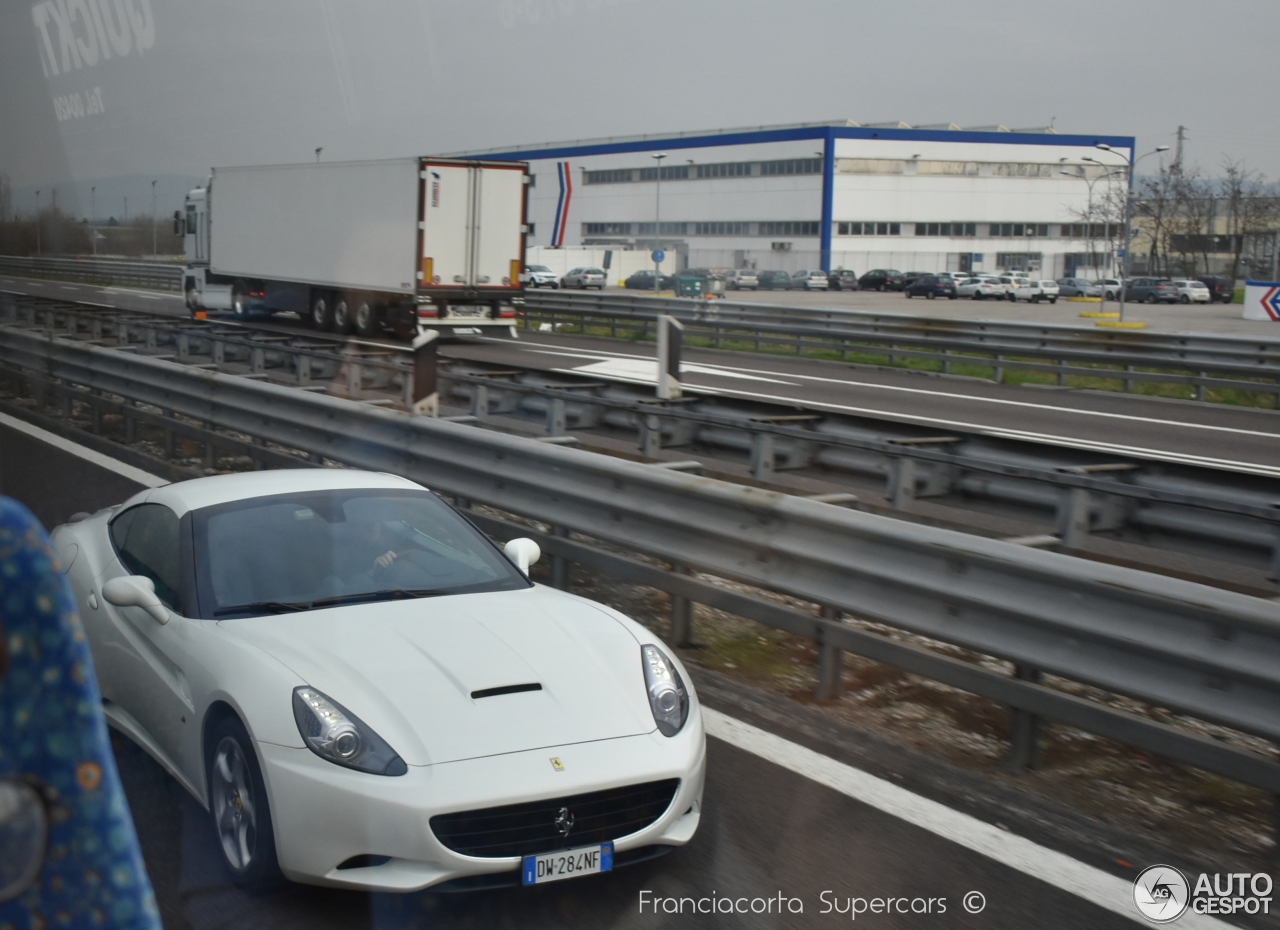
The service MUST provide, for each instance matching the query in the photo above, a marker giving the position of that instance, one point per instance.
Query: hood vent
(505, 689)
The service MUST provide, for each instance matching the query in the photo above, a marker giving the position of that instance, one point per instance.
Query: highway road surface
(805, 818)
(1211, 435)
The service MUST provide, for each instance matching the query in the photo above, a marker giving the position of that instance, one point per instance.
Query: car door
(146, 661)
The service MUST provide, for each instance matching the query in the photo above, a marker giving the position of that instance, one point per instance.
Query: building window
(668, 229)
(1019, 230)
(740, 169)
(722, 229)
(608, 229)
(792, 166)
(669, 173)
(802, 228)
(611, 176)
(1025, 261)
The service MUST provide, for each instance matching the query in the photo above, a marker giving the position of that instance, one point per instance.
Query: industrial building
(833, 195)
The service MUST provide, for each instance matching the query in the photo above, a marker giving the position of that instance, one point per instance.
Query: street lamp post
(154, 250)
(1089, 209)
(657, 219)
(1128, 211)
(93, 212)
(37, 222)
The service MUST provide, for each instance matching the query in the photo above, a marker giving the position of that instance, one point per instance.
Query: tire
(907, 294)
(238, 803)
(239, 301)
(880, 288)
(321, 316)
(931, 295)
(343, 321)
(367, 317)
(1184, 299)
(951, 297)
(1149, 299)
(1053, 300)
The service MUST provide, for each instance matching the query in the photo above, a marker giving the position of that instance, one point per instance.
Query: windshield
(302, 551)
(539, 268)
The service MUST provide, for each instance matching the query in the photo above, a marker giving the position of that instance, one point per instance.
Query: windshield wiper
(392, 594)
(279, 607)
(275, 607)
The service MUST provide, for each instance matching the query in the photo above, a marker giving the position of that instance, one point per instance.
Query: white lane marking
(139, 292)
(1162, 455)
(948, 394)
(70, 287)
(645, 371)
(1047, 865)
(136, 475)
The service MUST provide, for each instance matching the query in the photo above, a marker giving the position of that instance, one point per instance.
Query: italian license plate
(567, 863)
(468, 312)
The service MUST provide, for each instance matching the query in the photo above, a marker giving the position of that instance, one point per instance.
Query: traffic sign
(659, 255)
(1120, 253)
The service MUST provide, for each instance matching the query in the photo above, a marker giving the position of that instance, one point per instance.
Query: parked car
(1193, 291)
(1011, 283)
(774, 280)
(741, 278)
(1035, 291)
(1079, 287)
(349, 639)
(1150, 291)
(911, 276)
(541, 276)
(1221, 288)
(810, 280)
(843, 279)
(882, 279)
(980, 288)
(1111, 289)
(584, 278)
(931, 286)
(643, 281)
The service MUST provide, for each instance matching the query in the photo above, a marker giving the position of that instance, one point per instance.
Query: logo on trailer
(1161, 893)
(435, 189)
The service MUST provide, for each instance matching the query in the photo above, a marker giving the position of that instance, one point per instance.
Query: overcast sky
(192, 84)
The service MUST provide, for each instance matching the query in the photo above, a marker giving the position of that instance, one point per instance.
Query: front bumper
(324, 814)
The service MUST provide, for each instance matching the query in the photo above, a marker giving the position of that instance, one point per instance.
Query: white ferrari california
(366, 692)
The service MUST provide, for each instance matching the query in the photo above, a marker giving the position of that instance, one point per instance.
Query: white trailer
(404, 244)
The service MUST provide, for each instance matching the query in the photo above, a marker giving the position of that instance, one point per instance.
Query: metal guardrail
(1200, 361)
(1082, 493)
(1200, 651)
(161, 275)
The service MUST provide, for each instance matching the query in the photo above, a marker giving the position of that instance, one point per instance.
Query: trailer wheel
(321, 315)
(368, 317)
(342, 321)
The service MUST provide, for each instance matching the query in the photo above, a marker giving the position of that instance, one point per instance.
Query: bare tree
(1157, 200)
(1251, 209)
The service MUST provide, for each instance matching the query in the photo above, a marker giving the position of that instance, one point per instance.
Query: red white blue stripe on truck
(562, 205)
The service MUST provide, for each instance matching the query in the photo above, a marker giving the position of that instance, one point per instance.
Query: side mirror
(135, 591)
(524, 552)
(178, 223)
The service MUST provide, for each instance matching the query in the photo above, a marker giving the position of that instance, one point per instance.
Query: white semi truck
(406, 244)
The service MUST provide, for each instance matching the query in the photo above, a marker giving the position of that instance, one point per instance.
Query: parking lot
(1200, 318)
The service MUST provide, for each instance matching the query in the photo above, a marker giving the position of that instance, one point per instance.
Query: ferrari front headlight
(334, 733)
(668, 697)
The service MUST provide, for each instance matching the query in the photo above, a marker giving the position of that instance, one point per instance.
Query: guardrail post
(480, 401)
(555, 417)
(122, 333)
(559, 564)
(946, 361)
(902, 483)
(219, 352)
(1200, 386)
(302, 365)
(130, 424)
(1073, 517)
(830, 664)
(670, 339)
(257, 360)
(1024, 728)
(355, 385)
(763, 456)
(424, 383)
(681, 632)
(650, 435)
(1128, 385)
(184, 346)
(997, 370)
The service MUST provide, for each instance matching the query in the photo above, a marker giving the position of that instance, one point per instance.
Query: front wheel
(238, 803)
(1149, 299)
(930, 295)
(906, 294)
(1184, 299)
